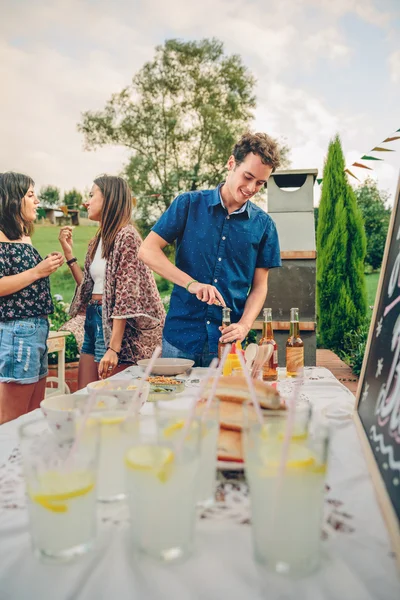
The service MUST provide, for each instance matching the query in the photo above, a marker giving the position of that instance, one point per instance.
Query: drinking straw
(252, 391)
(192, 409)
(218, 374)
(289, 427)
(156, 353)
(78, 437)
(286, 444)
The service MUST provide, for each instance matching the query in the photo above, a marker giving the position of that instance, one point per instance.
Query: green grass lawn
(371, 281)
(45, 239)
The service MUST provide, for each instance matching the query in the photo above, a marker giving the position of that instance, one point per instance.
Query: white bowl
(117, 393)
(167, 366)
(60, 412)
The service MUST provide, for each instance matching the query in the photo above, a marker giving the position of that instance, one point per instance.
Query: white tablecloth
(357, 560)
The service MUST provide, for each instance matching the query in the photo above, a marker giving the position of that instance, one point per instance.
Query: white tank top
(97, 271)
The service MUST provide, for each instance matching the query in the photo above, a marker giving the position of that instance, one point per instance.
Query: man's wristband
(190, 283)
(71, 261)
(117, 353)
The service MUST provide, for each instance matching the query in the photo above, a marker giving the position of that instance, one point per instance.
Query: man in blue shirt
(225, 246)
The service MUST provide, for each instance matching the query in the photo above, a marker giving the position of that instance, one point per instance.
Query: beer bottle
(226, 321)
(270, 368)
(294, 346)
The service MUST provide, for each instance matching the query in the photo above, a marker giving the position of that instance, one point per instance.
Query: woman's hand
(65, 239)
(206, 293)
(108, 364)
(50, 264)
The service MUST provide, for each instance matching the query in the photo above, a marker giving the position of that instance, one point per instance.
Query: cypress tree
(341, 249)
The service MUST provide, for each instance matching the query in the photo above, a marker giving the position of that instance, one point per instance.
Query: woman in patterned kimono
(116, 291)
(25, 300)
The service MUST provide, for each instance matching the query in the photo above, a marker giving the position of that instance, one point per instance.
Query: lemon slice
(173, 428)
(299, 457)
(296, 437)
(111, 420)
(58, 488)
(156, 459)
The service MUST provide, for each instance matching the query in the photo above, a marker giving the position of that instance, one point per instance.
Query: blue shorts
(23, 350)
(93, 342)
(202, 359)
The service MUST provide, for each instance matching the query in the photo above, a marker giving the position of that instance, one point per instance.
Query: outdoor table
(357, 560)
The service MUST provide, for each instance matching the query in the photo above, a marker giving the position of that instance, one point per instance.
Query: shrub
(57, 319)
(341, 248)
(354, 343)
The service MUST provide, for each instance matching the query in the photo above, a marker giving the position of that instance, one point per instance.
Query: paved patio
(329, 360)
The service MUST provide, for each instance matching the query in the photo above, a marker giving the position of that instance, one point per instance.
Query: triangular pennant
(356, 164)
(379, 149)
(392, 139)
(365, 157)
(350, 173)
(319, 181)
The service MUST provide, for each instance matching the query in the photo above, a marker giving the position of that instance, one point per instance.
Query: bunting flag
(379, 148)
(356, 164)
(350, 173)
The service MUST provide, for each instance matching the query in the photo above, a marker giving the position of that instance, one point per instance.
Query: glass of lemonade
(286, 511)
(60, 489)
(112, 401)
(111, 477)
(171, 416)
(161, 476)
(206, 481)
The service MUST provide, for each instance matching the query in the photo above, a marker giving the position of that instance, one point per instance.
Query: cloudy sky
(322, 67)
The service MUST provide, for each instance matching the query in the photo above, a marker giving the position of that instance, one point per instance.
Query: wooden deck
(329, 360)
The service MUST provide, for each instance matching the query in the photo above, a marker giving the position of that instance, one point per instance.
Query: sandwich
(235, 389)
(230, 446)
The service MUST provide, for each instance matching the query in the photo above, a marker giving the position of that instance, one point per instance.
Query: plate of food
(167, 366)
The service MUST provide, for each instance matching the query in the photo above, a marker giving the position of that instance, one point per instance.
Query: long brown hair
(116, 212)
(13, 189)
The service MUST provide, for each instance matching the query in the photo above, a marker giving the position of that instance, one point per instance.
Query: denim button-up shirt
(219, 249)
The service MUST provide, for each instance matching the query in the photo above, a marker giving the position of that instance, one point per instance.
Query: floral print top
(31, 301)
(130, 292)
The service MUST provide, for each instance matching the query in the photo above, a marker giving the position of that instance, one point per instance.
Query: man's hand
(108, 364)
(233, 333)
(206, 293)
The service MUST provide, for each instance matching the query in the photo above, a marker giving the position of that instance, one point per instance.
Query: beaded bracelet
(190, 283)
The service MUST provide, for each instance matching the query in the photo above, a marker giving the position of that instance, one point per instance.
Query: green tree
(73, 199)
(341, 248)
(371, 202)
(49, 195)
(180, 117)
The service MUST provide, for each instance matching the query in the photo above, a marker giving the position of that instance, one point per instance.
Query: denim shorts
(23, 350)
(93, 342)
(201, 359)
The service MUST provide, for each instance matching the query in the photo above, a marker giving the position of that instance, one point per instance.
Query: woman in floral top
(25, 300)
(116, 291)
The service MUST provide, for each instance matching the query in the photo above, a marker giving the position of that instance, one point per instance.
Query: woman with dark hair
(116, 291)
(25, 300)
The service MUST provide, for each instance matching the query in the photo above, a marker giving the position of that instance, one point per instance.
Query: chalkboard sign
(378, 395)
